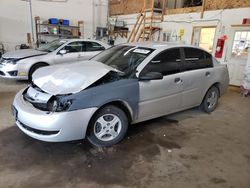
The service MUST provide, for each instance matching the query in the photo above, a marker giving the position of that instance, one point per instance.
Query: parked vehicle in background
(21, 64)
(126, 84)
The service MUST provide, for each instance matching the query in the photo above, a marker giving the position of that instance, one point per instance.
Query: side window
(93, 46)
(196, 59)
(209, 59)
(73, 47)
(84, 46)
(167, 62)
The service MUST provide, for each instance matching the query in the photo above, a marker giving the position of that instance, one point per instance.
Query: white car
(22, 64)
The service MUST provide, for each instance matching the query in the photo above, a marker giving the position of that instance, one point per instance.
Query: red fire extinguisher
(220, 46)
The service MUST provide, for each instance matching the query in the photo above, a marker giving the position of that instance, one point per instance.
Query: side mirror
(151, 76)
(62, 52)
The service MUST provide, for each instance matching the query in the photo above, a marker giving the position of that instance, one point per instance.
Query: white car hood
(18, 54)
(70, 78)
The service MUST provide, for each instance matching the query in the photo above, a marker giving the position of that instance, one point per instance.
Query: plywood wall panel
(118, 7)
(226, 4)
(183, 10)
(132, 6)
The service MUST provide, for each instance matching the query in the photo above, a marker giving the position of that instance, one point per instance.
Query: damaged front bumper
(51, 126)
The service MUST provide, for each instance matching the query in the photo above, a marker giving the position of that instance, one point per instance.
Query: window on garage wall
(241, 44)
(204, 37)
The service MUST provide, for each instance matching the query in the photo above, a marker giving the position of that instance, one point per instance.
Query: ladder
(145, 26)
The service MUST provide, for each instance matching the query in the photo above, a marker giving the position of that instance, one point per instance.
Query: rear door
(90, 49)
(160, 97)
(197, 72)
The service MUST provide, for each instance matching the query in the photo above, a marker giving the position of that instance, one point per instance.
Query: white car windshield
(123, 58)
(52, 46)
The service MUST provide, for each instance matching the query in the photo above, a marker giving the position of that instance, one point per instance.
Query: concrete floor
(188, 149)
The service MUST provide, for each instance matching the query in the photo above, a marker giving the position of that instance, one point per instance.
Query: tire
(107, 127)
(210, 100)
(34, 68)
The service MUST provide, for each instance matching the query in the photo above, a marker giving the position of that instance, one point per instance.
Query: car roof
(159, 45)
(87, 40)
(73, 40)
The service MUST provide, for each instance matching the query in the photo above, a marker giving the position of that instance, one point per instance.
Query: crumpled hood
(70, 78)
(19, 54)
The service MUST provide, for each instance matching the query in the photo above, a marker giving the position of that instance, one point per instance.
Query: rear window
(197, 59)
(209, 59)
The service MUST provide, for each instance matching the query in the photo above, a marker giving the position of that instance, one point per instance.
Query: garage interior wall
(222, 19)
(16, 14)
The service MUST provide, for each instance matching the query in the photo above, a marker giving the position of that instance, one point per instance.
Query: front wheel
(211, 100)
(108, 127)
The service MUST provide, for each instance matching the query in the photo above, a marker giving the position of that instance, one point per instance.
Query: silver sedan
(126, 84)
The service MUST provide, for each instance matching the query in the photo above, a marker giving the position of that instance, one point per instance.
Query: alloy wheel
(107, 127)
(212, 100)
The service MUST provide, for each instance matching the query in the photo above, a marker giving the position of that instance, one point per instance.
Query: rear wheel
(34, 68)
(108, 126)
(211, 100)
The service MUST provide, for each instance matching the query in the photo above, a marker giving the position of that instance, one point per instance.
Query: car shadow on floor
(79, 160)
(155, 131)
(138, 135)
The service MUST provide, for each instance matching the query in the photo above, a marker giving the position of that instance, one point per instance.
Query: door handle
(177, 80)
(208, 74)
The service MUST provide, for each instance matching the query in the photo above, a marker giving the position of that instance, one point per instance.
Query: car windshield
(123, 58)
(52, 46)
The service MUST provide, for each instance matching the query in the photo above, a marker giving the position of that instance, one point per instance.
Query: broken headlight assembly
(56, 104)
(59, 103)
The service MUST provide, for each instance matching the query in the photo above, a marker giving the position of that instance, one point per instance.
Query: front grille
(2, 73)
(37, 131)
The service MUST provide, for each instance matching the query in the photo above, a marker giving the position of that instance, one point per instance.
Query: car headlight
(13, 61)
(56, 105)
(9, 61)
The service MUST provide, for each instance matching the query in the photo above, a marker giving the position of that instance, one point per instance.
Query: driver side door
(72, 54)
(161, 97)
